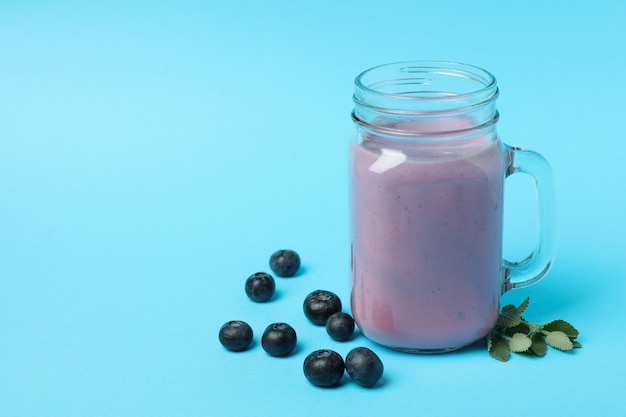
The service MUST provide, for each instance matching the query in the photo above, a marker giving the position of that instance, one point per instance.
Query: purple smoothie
(426, 239)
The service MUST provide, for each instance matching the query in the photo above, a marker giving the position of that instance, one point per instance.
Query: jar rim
(425, 99)
(417, 73)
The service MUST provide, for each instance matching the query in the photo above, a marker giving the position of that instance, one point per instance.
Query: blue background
(154, 154)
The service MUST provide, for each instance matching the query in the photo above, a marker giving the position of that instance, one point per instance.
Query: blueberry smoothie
(426, 239)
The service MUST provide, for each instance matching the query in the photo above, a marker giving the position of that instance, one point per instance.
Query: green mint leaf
(509, 317)
(559, 340)
(523, 327)
(519, 343)
(522, 307)
(562, 326)
(498, 347)
(512, 333)
(539, 346)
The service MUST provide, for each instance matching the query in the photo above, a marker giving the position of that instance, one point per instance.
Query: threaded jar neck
(425, 99)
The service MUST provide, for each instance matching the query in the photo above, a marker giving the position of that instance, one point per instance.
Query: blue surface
(153, 155)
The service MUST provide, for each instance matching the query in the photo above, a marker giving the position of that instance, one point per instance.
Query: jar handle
(535, 266)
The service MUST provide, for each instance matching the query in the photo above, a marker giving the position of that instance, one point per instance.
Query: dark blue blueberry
(260, 287)
(236, 335)
(285, 262)
(340, 326)
(364, 366)
(279, 339)
(321, 304)
(323, 368)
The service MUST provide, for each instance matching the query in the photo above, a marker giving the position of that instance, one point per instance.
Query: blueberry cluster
(260, 287)
(323, 368)
(279, 339)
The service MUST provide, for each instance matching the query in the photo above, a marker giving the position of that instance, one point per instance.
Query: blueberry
(364, 366)
(340, 326)
(323, 368)
(260, 287)
(236, 335)
(321, 304)
(279, 339)
(285, 262)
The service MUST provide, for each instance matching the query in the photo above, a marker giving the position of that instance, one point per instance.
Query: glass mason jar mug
(427, 182)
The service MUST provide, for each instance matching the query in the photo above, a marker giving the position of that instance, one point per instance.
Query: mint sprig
(514, 334)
